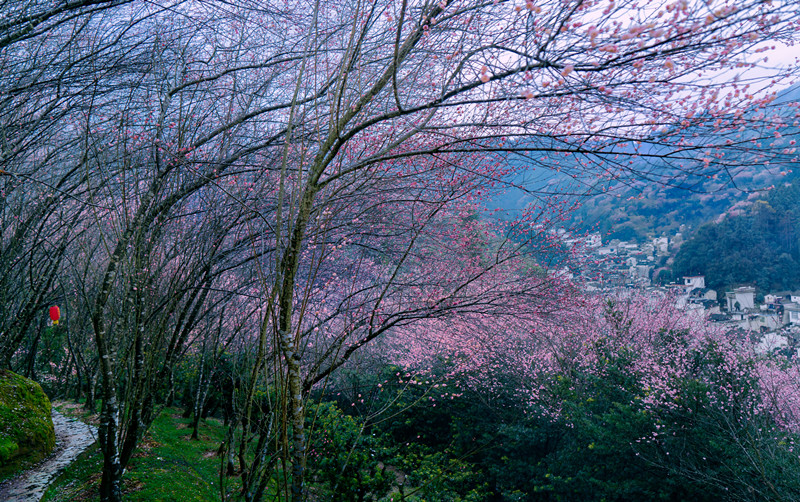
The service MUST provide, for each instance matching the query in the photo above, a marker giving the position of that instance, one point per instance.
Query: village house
(691, 282)
(741, 299)
(661, 245)
(784, 303)
(791, 314)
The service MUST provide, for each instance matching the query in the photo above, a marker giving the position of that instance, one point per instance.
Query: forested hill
(639, 212)
(756, 243)
(638, 209)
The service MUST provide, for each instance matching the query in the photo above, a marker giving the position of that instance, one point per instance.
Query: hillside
(634, 209)
(757, 242)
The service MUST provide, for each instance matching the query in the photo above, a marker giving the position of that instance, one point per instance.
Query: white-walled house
(691, 282)
(786, 297)
(770, 342)
(710, 294)
(783, 297)
(661, 245)
(594, 240)
(741, 298)
(758, 322)
(791, 313)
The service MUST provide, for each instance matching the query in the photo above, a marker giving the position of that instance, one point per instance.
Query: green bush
(436, 477)
(343, 460)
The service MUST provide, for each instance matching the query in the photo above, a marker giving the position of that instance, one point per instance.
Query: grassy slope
(168, 466)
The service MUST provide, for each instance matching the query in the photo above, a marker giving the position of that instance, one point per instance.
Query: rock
(74, 437)
(26, 425)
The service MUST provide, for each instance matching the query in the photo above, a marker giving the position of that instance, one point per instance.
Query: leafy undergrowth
(168, 466)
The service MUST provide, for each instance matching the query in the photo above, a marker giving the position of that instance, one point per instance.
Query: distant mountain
(639, 212)
(635, 209)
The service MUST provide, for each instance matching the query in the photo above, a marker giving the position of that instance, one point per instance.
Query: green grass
(167, 466)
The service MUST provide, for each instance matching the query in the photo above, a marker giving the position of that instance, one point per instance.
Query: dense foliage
(644, 413)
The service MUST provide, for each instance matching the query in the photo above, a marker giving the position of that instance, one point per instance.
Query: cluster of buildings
(620, 263)
(771, 323)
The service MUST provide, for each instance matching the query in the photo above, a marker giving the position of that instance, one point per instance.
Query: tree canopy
(299, 182)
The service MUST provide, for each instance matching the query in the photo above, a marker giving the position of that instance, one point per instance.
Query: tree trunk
(30, 362)
(171, 391)
(91, 386)
(200, 396)
(111, 482)
(230, 457)
(298, 418)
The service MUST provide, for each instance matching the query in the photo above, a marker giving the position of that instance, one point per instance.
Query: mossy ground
(26, 425)
(168, 466)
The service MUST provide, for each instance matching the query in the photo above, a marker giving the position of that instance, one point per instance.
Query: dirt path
(72, 438)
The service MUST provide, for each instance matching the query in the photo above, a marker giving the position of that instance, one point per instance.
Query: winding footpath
(73, 437)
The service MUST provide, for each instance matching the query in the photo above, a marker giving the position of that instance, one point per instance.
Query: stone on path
(73, 437)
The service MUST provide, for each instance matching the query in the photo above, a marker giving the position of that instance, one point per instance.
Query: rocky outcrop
(73, 438)
(26, 427)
